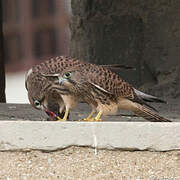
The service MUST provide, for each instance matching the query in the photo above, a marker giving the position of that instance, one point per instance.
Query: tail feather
(148, 114)
(117, 66)
(147, 97)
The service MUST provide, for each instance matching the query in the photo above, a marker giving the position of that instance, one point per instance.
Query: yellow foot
(98, 120)
(60, 120)
(92, 120)
(65, 116)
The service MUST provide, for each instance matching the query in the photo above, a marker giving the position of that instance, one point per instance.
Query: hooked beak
(61, 80)
(43, 107)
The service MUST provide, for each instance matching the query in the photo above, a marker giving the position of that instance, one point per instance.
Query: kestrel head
(37, 87)
(70, 79)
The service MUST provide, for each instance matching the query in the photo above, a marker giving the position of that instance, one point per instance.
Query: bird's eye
(37, 103)
(67, 75)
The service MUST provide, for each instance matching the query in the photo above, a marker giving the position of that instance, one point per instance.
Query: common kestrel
(71, 80)
(42, 93)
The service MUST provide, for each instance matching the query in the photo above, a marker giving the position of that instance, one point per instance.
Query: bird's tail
(148, 114)
(147, 97)
(113, 67)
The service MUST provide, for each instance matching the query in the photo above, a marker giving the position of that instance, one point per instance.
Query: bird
(72, 80)
(42, 95)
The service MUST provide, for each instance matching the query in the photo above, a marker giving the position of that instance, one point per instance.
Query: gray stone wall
(142, 34)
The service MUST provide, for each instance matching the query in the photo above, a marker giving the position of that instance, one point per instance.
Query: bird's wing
(100, 88)
(111, 83)
(104, 79)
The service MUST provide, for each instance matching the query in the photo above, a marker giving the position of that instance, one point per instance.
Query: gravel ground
(83, 163)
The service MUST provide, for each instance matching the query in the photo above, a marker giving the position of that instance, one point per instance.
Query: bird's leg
(91, 114)
(98, 116)
(58, 118)
(89, 118)
(65, 115)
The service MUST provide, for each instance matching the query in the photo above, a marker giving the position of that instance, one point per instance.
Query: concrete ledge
(48, 136)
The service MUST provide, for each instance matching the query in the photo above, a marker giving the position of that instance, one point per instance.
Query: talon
(65, 116)
(98, 120)
(89, 119)
(59, 119)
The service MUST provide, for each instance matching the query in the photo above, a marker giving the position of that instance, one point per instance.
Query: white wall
(15, 88)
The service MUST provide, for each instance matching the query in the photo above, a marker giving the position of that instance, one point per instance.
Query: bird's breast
(70, 101)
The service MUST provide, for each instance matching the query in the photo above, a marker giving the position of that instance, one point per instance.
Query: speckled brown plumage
(39, 87)
(102, 89)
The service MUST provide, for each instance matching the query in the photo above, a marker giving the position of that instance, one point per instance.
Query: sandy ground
(82, 163)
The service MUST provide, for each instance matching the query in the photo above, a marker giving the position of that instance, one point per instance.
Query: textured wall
(143, 34)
